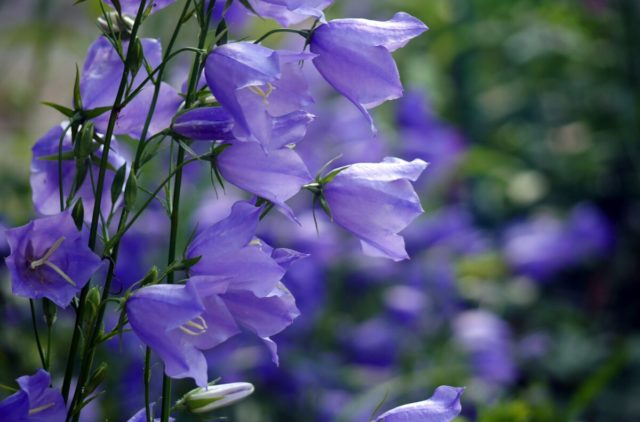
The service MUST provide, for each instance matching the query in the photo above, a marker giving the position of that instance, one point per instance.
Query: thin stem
(147, 382)
(96, 209)
(302, 32)
(48, 347)
(177, 187)
(35, 332)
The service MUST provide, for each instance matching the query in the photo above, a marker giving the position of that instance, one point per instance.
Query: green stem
(147, 383)
(302, 32)
(177, 187)
(75, 340)
(35, 332)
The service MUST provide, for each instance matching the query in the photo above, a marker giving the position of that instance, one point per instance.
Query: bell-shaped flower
(375, 201)
(45, 180)
(254, 295)
(130, 7)
(50, 258)
(443, 406)
(100, 80)
(290, 12)
(354, 56)
(167, 319)
(36, 401)
(235, 284)
(255, 84)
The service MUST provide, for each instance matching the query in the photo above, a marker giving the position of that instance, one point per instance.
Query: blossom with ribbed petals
(290, 12)
(354, 56)
(443, 406)
(255, 85)
(375, 201)
(100, 79)
(167, 319)
(45, 181)
(34, 402)
(130, 7)
(50, 258)
(255, 297)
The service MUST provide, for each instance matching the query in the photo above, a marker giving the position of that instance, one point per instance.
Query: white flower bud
(203, 400)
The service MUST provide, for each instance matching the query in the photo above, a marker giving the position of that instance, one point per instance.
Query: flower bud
(115, 24)
(203, 400)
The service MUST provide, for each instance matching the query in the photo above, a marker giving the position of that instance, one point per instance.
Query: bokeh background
(523, 280)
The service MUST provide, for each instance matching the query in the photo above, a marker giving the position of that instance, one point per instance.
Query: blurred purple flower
(290, 12)
(130, 7)
(99, 84)
(354, 56)
(423, 135)
(45, 181)
(443, 406)
(544, 245)
(375, 201)
(35, 402)
(141, 415)
(487, 340)
(50, 258)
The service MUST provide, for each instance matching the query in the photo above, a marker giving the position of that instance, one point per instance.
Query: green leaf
(248, 5)
(332, 174)
(95, 112)
(78, 213)
(135, 57)
(118, 183)
(84, 145)
(222, 33)
(130, 192)
(77, 98)
(62, 109)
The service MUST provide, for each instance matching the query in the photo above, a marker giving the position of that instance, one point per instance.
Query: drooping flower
(290, 12)
(50, 258)
(255, 84)
(443, 406)
(100, 80)
(45, 176)
(130, 7)
(236, 284)
(34, 402)
(354, 56)
(375, 201)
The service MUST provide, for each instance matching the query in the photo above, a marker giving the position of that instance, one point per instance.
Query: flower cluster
(247, 106)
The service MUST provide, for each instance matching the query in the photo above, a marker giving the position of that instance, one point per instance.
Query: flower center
(44, 260)
(258, 90)
(195, 327)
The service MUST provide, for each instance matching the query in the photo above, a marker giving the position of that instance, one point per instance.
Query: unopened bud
(203, 400)
(115, 24)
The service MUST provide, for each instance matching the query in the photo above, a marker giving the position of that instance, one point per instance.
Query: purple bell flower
(443, 406)
(354, 56)
(235, 285)
(50, 258)
(130, 7)
(35, 402)
(276, 176)
(375, 201)
(45, 181)
(101, 74)
(205, 124)
(255, 84)
(290, 12)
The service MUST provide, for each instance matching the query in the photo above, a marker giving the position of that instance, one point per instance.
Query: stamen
(200, 327)
(38, 262)
(40, 408)
(260, 92)
(45, 261)
(61, 273)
